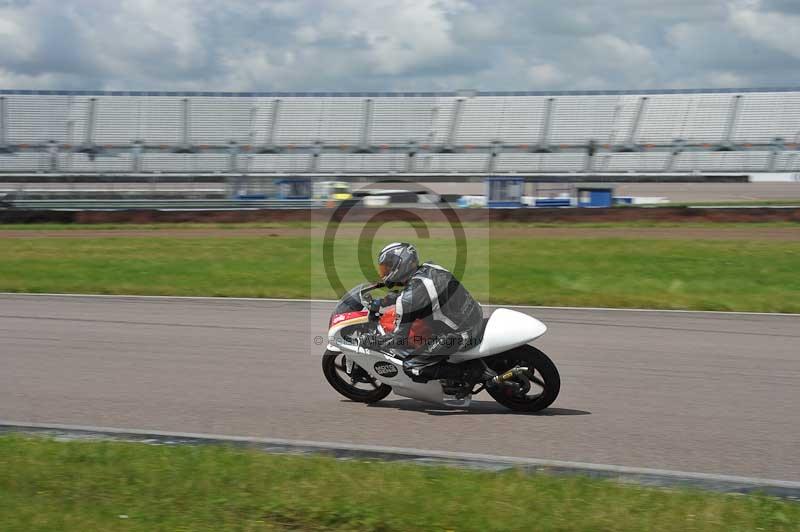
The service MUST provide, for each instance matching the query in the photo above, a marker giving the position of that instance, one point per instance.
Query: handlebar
(366, 298)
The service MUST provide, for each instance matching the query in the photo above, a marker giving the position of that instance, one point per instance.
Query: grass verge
(499, 225)
(64, 486)
(741, 275)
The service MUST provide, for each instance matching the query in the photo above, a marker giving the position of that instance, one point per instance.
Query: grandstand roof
(369, 94)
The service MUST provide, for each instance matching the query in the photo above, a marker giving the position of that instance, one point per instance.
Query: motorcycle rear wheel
(333, 367)
(545, 372)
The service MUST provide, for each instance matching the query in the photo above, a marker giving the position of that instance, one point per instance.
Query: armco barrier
(165, 204)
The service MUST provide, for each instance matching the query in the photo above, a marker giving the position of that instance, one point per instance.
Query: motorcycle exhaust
(508, 375)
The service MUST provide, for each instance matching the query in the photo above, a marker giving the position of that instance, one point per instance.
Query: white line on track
(418, 453)
(297, 300)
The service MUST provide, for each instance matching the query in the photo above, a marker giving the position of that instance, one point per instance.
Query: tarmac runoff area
(645, 395)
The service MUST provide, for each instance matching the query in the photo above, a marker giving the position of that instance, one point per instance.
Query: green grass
(671, 274)
(82, 486)
(277, 267)
(739, 275)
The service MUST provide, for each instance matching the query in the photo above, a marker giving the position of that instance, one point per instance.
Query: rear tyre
(335, 370)
(526, 394)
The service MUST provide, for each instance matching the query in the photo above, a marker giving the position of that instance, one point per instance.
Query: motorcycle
(501, 361)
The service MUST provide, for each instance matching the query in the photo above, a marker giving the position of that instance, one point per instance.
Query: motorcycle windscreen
(351, 301)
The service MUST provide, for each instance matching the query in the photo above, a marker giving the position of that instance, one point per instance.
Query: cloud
(615, 52)
(545, 75)
(774, 29)
(396, 44)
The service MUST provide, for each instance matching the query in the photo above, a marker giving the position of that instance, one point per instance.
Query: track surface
(702, 392)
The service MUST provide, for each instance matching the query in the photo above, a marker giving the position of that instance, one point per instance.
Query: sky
(398, 45)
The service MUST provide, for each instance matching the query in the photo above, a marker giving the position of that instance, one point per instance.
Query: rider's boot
(426, 368)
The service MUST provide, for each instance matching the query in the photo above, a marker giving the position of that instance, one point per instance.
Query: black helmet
(397, 262)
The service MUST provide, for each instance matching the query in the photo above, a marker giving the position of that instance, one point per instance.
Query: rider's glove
(375, 306)
(386, 301)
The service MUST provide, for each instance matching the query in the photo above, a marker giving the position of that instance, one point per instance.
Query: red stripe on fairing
(347, 316)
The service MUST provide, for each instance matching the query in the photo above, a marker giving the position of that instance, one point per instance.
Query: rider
(433, 294)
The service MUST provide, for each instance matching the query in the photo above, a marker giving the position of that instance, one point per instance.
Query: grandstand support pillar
(630, 142)
(251, 133)
(491, 163)
(52, 153)
(185, 145)
(452, 130)
(411, 160)
(726, 144)
(88, 137)
(678, 146)
(136, 156)
(251, 139)
(269, 141)
(4, 147)
(233, 157)
(185, 122)
(313, 162)
(776, 146)
(543, 145)
(88, 146)
(70, 135)
(591, 148)
(366, 126)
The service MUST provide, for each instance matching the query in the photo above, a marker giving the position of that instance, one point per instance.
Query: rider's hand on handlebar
(375, 306)
(388, 300)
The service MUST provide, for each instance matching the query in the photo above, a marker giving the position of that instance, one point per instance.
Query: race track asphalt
(702, 392)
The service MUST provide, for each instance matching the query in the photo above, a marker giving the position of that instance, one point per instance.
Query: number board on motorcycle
(385, 369)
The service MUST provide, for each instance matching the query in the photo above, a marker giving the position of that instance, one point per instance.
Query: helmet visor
(384, 269)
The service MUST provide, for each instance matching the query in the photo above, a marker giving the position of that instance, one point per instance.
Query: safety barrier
(167, 204)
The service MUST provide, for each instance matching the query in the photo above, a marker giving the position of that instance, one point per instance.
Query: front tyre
(358, 385)
(527, 393)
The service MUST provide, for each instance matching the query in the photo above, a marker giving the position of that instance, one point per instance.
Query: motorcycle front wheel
(527, 393)
(357, 386)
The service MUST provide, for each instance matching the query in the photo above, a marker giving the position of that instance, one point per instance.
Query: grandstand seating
(719, 131)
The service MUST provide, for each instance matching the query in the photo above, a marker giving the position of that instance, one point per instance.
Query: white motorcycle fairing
(381, 366)
(389, 371)
(505, 330)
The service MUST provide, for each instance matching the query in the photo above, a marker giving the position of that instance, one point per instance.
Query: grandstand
(447, 133)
